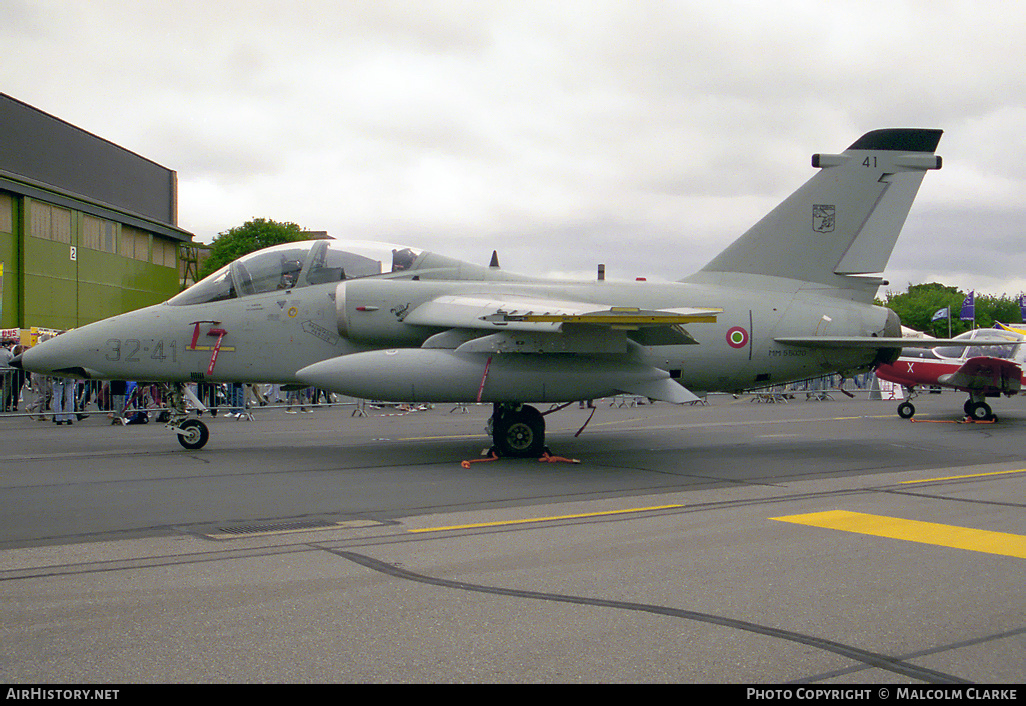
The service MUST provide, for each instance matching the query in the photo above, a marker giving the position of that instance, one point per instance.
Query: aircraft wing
(488, 324)
(540, 315)
(987, 375)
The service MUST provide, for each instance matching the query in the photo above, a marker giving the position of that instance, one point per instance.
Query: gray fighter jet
(791, 299)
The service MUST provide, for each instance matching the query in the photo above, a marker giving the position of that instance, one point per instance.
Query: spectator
(258, 395)
(7, 391)
(40, 387)
(63, 400)
(20, 377)
(297, 396)
(236, 400)
(118, 389)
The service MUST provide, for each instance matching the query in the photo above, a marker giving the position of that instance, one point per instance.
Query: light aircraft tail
(842, 223)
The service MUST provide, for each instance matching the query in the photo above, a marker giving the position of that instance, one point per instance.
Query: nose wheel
(192, 434)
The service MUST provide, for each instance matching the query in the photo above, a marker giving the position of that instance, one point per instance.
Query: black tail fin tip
(900, 139)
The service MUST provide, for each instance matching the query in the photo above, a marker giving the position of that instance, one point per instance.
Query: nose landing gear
(192, 433)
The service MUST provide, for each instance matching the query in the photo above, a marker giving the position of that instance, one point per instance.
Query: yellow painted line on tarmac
(973, 540)
(503, 523)
(449, 437)
(971, 475)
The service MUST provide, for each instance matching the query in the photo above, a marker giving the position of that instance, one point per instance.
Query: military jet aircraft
(791, 299)
(981, 371)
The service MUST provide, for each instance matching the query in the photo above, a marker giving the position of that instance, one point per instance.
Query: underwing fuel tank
(435, 375)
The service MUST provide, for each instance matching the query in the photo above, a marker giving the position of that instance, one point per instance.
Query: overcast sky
(643, 135)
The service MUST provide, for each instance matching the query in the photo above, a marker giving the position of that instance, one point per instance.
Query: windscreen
(302, 264)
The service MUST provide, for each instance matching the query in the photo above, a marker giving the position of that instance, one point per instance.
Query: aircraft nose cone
(34, 360)
(59, 355)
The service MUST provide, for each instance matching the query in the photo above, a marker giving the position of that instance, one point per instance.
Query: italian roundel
(737, 337)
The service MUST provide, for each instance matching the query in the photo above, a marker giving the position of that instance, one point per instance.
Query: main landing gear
(192, 433)
(978, 411)
(975, 408)
(517, 430)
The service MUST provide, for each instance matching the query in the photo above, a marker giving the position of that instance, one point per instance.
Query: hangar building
(88, 229)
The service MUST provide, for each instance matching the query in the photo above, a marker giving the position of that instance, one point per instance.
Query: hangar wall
(88, 229)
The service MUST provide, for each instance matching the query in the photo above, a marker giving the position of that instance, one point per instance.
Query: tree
(917, 306)
(990, 308)
(253, 235)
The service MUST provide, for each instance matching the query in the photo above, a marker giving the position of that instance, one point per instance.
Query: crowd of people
(65, 400)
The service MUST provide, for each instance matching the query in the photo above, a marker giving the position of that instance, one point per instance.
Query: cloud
(558, 131)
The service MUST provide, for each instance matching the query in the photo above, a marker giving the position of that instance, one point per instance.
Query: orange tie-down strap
(549, 458)
(493, 457)
(954, 421)
(546, 458)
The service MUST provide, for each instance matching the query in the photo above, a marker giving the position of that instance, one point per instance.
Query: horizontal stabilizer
(880, 342)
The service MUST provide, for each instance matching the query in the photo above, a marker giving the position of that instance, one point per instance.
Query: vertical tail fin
(845, 220)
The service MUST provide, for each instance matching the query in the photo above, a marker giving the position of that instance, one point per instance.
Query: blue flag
(969, 307)
(941, 314)
(1022, 306)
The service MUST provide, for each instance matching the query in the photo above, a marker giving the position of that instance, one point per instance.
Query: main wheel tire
(980, 411)
(520, 433)
(906, 410)
(194, 434)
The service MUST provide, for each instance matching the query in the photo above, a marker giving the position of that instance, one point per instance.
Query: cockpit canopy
(969, 351)
(300, 264)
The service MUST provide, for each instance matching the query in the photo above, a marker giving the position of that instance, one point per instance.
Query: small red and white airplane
(981, 371)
